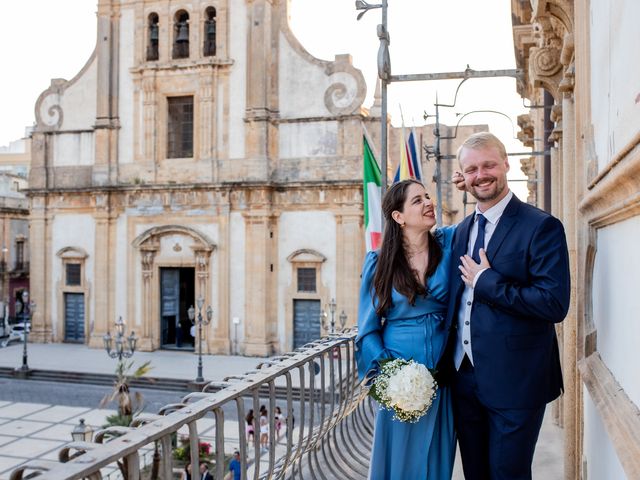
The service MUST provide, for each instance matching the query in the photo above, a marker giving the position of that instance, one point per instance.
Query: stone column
(203, 289)
(260, 284)
(147, 256)
(40, 268)
(572, 395)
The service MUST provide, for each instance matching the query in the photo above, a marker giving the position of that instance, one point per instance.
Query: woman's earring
(402, 225)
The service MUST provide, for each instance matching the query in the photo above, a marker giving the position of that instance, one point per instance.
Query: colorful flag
(409, 166)
(372, 192)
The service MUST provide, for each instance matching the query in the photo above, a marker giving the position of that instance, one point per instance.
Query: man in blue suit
(508, 290)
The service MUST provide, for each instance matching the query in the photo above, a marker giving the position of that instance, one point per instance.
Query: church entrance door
(177, 294)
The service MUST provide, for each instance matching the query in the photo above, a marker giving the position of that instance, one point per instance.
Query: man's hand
(470, 268)
(458, 180)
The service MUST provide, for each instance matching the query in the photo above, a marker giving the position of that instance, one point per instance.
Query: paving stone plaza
(36, 418)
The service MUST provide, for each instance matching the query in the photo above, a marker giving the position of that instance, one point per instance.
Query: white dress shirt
(463, 344)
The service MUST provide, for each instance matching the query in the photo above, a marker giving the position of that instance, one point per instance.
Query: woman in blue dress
(403, 300)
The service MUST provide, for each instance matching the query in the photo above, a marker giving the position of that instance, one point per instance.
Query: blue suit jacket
(516, 304)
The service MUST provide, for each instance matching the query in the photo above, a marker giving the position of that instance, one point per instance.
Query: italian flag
(372, 204)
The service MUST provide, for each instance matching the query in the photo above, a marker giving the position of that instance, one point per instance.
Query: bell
(211, 29)
(153, 33)
(183, 33)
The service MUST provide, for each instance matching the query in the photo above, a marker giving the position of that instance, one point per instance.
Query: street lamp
(121, 350)
(192, 316)
(343, 320)
(323, 317)
(82, 432)
(27, 311)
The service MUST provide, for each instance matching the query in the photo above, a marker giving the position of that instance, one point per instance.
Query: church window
(181, 35)
(209, 49)
(20, 254)
(180, 127)
(73, 274)
(306, 279)
(154, 35)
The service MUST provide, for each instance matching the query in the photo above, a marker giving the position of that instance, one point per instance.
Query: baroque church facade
(201, 152)
(584, 114)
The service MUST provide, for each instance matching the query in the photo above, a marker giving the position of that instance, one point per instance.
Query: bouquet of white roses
(406, 387)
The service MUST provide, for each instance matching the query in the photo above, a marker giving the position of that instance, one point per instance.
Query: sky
(427, 36)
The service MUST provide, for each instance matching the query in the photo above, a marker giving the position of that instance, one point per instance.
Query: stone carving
(347, 91)
(49, 114)
(545, 68)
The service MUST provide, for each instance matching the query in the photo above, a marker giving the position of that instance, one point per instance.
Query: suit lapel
(462, 242)
(508, 219)
(459, 249)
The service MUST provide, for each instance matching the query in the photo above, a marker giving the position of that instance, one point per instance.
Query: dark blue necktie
(482, 221)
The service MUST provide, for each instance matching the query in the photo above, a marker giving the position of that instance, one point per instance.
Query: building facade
(200, 152)
(14, 231)
(583, 92)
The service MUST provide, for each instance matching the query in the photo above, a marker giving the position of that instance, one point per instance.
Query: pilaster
(261, 272)
(107, 123)
(221, 343)
(261, 142)
(349, 256)
(40, 262)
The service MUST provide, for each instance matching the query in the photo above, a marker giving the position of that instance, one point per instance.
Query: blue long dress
(426, 449)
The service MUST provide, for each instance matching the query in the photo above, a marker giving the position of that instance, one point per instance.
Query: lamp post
(236, 322)
(124, 347)
(27, 311)
(82, 432)
(331, 328)
(192, 316)
(343, 320)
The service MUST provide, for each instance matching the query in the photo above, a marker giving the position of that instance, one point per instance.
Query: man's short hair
(481, 140)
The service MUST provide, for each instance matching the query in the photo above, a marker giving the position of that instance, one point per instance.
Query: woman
(405, 283)
(186, 474)
(249, 429)
(278, 417)
(264, 428)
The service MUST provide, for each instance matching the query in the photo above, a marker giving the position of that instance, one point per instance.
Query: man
(508, 290)
(235, 467)
(205, 474)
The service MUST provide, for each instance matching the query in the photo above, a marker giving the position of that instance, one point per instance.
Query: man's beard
(498, 189)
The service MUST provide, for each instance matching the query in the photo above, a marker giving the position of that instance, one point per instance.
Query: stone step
(164, 384)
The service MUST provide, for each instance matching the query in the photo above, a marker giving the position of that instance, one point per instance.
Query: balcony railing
(318, 386)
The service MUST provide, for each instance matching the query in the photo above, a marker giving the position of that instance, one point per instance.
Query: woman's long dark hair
(393, 269)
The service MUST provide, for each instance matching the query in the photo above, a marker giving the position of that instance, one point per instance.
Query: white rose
(411, 388)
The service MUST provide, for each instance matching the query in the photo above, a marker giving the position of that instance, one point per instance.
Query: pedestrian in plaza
(401, 314)
(205, 474)
(264, 428)
(235, 468)
(278, 417)
(250, 428)
(509, 287)
(186, 474)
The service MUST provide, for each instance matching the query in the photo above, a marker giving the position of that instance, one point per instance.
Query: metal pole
(383, 119)
(25, 334)
(437, 175)
(200, 379)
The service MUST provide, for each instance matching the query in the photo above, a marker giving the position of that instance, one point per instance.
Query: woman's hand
(458, 180)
